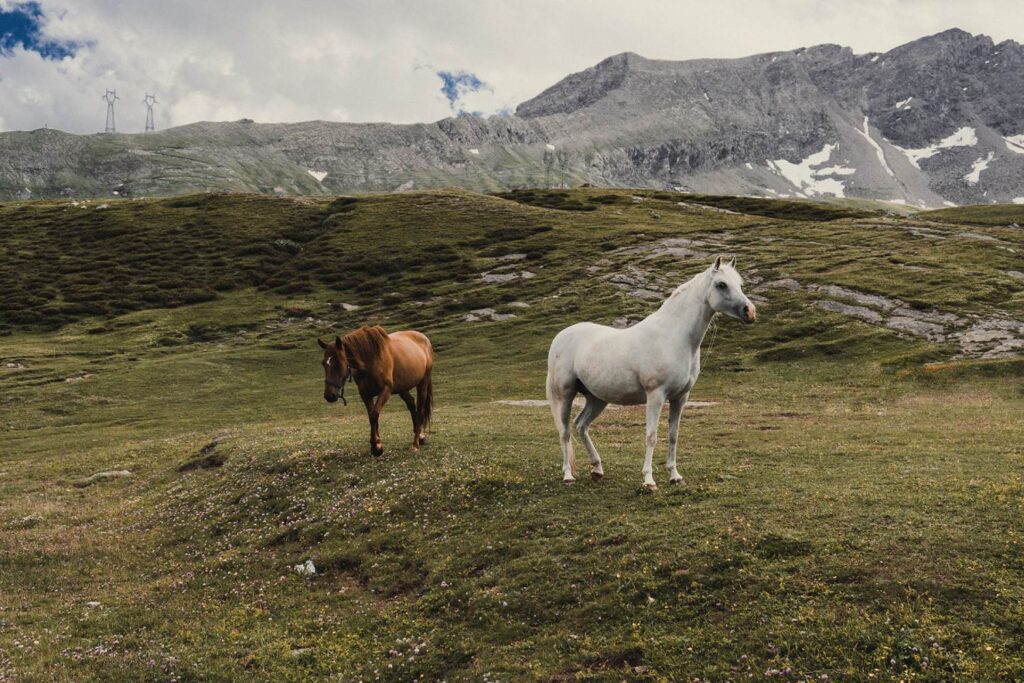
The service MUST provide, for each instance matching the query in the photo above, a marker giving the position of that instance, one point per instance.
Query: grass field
(854, 496)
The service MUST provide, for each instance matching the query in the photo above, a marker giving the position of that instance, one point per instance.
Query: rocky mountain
(937, 121)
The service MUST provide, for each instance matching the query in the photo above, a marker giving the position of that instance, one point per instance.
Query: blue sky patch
(21, 26)
(457, 84)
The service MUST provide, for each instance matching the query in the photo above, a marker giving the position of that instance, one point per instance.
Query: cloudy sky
(393, 60)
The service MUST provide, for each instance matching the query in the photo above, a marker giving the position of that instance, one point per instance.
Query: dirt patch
(207, 458)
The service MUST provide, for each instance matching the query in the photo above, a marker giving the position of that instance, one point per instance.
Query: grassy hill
(853, 497)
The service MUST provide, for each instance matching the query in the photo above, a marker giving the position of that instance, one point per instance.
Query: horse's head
(336, 369)
(725, 295)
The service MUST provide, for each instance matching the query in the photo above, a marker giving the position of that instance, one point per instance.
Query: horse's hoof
(568, 482)
(597, 476)
(377, 451)
(651, 487)
(676, 480)
(423, 440)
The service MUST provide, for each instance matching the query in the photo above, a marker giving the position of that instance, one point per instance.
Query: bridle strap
(340, 386)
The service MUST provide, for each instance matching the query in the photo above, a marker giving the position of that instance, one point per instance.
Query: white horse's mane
(683, 288)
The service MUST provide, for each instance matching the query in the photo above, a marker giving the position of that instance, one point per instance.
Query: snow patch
(319, 175)
(1018, 200)
(904, 103)
(878, 148)
(946, 202)
(964, 137)
(875, 58)
(1015, 143)
(837, 170)
(549, 147)
(474, 151)
(749, 166)
(980, 165)
(804, 175)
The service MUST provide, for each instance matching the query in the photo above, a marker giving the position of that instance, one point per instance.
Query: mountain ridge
(933, 122)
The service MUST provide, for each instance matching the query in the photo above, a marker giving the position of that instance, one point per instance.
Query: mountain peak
(583, 88)
(952, 37)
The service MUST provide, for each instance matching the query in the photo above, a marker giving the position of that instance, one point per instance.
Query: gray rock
(977, 236)
(872, 300)
(101, 476)
(506, 277)
(931, 316)
(478, 314)
(865, 314)
(918, 328)
(647, 294)
(498, 277)
(785, 283)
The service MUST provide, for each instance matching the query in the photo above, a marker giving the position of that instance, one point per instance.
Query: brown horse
(382, 364)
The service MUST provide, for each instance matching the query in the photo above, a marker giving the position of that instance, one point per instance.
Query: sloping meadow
(853, 491)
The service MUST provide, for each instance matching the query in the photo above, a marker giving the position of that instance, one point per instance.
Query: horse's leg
(376, 446)
(589, 413)
(368, 402)
(675, 411)
(424, 397)
(411, 405)
(560, 400)
(655, 402)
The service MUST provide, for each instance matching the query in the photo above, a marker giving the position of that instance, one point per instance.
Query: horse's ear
(321, 342)
(337, 342)
(717, 264)
(732, 261)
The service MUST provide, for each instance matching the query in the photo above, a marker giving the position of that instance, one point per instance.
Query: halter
(340, 386)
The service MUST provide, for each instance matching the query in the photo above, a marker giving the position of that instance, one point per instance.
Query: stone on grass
(307, 568)
(101, 476)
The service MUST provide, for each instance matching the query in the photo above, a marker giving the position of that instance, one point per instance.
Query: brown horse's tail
(428, 404)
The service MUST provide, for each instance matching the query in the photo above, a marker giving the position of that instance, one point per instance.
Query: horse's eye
(722, 285)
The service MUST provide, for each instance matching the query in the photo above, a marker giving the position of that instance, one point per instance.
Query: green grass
(981, 214)
(852, 507)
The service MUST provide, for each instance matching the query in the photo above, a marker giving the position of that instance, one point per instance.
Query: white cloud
(364, 61)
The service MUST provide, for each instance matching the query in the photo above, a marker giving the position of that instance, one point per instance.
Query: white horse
(656, 360)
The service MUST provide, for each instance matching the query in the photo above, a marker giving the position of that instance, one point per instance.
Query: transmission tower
(150, 122)
(110, 97)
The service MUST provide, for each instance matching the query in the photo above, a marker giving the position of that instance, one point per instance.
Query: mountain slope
(853, 466)
(936, 121)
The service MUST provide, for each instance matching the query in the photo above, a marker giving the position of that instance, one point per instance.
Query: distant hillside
(937, 121)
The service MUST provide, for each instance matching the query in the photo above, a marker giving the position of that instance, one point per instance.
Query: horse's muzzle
(749, 313)
(330, 399)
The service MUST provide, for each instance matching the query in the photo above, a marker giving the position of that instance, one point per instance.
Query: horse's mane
(683, 288)
(364, 345)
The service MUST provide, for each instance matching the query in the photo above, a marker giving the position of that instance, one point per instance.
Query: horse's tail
(428, 403)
